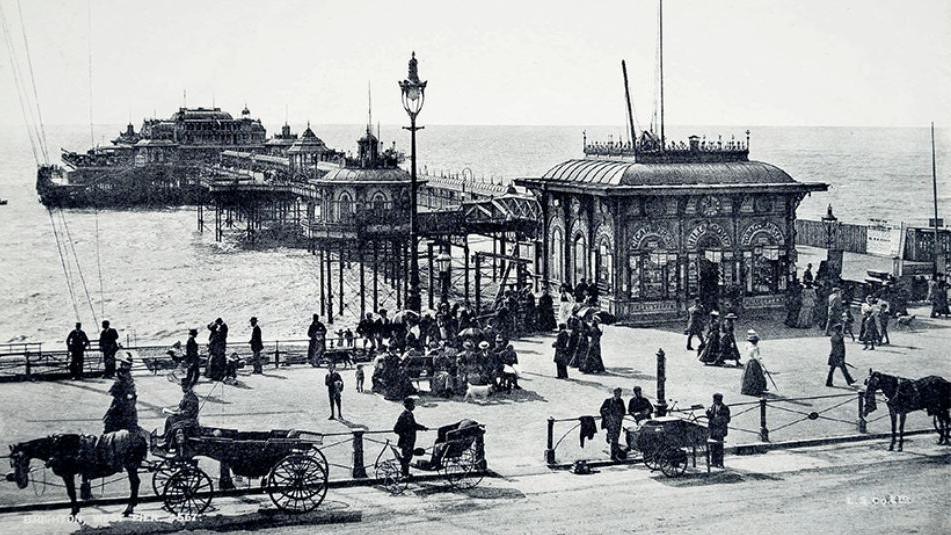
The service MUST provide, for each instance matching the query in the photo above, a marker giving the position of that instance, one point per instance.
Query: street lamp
(831, 223)
(833, 254)
(414, 93)
(444, 261)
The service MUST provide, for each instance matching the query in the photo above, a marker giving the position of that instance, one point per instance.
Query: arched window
(379, 202)
(579, 256)
(344, 207)
(557, 269)
(604, 262)
(652, 269)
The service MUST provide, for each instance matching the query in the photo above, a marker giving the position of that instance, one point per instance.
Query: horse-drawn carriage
(292, 469)
(456, 454)
(664, 443)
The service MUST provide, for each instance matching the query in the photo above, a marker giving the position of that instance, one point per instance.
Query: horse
(88, 456)
(931, 394)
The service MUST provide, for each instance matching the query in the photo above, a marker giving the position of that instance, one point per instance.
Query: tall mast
(934, 186)
(627, 95)
(660, 63)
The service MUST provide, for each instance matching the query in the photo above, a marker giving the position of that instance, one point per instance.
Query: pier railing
(755, 425)
(42, 361)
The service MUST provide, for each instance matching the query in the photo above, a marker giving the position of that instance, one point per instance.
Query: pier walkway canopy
(657, 231)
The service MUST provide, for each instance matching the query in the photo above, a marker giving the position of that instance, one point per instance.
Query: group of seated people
(450, 366)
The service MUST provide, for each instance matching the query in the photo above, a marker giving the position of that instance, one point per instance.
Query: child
(359, 377)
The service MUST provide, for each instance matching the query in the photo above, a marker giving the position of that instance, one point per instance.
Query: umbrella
(404, 316)
(605, 317)
(474, 332)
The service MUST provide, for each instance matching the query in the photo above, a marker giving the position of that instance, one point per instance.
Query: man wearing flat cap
(718, 421)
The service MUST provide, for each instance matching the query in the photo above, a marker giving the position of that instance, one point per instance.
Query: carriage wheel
(651, 458)
(463, 472)
(188, 491)
(161, 474)
(390, 475)
(298, 482)
(673, 462)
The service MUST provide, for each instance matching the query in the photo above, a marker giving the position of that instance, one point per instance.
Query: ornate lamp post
(833, 253)
(444, 260)
(414, 93)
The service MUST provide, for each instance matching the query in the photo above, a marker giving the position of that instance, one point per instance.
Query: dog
(480, 392)
(905, 321)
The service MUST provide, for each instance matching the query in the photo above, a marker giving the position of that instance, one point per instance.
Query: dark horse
(88, 456)
(932, 394)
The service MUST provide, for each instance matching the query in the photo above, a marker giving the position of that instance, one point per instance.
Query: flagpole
(934, 186)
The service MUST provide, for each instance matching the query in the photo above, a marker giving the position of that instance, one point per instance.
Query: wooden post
(478, 284)
(480, 450)
(862, 424)
(429, 259)
(495, 250)
(763, 431)
(550, 449)
(340, 265)
(465, 265)
(277, 354)
(502, 249)
(376, 278)
(320, 260)
(359, 471)
(396, 262)
(330, 286)
(363, 286)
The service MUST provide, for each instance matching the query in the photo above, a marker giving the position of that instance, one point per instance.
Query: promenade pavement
(295, 397)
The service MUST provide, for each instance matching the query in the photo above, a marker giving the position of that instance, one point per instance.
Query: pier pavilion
(657, 226)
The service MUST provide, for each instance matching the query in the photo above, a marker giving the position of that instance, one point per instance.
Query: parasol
(473, 332)
(405, 316)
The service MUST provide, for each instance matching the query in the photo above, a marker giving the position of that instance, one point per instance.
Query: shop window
(653, 276)
(764, 269)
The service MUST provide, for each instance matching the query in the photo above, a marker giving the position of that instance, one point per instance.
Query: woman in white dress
(807, 318)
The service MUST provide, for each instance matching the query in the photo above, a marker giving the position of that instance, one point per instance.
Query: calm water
(160, 277)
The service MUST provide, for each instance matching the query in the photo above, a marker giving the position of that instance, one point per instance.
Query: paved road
(832, 489)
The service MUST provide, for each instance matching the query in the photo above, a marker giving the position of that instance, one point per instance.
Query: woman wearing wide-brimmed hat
(754, 378)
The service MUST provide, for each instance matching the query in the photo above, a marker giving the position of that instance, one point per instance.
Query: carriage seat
(451, 442)
(234, 434)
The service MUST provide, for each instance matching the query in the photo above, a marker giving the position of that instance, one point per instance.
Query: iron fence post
(763, 431)
(863, 425)
(480, 451)
(277, 354)
(550, 450)
(359, 470)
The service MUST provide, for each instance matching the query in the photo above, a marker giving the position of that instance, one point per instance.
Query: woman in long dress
(869, 333)
(581, 349)
(807, 318)
(728, 347)
(754, 378)
(592, 362)
(709, 352)
(564, 305)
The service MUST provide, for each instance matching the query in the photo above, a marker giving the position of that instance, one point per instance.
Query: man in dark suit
(191, 358)
(561, 351)
(365, 330)
(317, 334)
(108, 344)
(256, 346)
(612, 416)
(406, 428)
(718, 418)
(837, 356)
(581, 291)
(77, 342)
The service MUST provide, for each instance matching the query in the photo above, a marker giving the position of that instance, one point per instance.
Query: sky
(726, 62)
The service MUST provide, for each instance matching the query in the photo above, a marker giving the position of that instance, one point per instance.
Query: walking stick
(769, 375)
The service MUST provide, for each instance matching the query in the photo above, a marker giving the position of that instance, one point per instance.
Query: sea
(154, 275)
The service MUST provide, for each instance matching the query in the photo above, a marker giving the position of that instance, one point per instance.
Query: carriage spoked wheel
(162, 472)
(187, 491)
(390, 475)
(463, 472)
(672, 462)
(650, 459)
(298, 482)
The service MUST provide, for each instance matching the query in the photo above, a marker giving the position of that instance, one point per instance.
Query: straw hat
(751, 336)
(483, 345)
